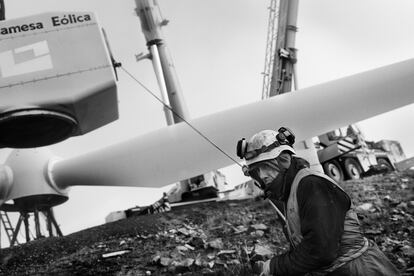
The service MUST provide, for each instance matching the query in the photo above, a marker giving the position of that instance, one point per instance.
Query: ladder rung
(7, 226)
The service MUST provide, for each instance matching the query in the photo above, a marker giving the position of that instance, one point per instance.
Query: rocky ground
(216, 238)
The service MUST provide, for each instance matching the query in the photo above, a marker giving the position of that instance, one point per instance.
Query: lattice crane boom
(272, 34)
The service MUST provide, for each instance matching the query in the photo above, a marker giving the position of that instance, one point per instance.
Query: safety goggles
(254, 153)
(248, 155)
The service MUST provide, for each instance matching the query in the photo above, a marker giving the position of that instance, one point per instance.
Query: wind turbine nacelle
(56, 79)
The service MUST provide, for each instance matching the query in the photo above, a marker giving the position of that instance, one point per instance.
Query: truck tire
(333, 170)
(353, 168)
(385, 164)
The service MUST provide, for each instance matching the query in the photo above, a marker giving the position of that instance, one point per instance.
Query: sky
(218, 48)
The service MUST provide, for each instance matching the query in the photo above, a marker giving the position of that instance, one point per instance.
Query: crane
(280, 56)
(35, 177)
(152, 21)
(340, 157)
(280, 62)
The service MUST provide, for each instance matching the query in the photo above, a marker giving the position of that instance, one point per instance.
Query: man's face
(268, 170)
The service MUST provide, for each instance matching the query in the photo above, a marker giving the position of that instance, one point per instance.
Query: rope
(179, 116)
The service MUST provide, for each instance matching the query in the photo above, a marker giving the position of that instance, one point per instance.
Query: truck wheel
(383, 163)
(352, 168)
(333, 170)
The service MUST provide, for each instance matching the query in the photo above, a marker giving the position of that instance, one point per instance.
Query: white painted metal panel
(58, 61)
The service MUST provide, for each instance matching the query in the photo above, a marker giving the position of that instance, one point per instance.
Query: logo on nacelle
(27, 59)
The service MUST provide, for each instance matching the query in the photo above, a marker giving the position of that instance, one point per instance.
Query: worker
(319, 221)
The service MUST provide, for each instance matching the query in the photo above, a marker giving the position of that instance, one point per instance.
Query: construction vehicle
(345, 154)
(160, 206)
(200, 187)
(34, 178)
(280, 72)
(244, 190)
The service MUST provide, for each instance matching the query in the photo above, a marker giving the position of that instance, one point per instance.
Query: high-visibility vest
(352, 244)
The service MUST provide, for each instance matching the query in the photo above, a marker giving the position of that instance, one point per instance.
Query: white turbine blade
(177, 152)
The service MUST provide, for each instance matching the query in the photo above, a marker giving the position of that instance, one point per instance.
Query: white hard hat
(262, 139)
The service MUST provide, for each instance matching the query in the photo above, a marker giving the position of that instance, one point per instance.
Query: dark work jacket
(322, 209)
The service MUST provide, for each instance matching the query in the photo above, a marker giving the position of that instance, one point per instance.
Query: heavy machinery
(345, 154)
(152, 21)
(35, 179)
(280, 74)
(160, 206)
(199, 187)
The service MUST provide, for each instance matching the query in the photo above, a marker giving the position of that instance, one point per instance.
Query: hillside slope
(213, 238)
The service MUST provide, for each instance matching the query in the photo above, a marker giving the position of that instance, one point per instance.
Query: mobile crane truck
(345, 154)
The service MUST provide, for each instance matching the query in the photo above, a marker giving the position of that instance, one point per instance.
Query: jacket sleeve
(322, 209)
